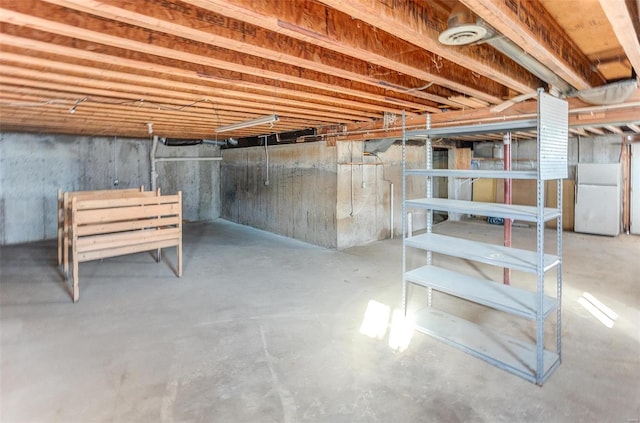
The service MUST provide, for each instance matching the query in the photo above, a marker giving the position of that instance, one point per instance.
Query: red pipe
(507, 200)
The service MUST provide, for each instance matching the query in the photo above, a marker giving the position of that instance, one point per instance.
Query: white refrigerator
(598, 199)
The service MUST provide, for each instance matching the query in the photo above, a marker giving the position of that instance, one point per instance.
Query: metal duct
(613, 93)
(378, 146)
(464, 27)
(518, 55)
(177, 142)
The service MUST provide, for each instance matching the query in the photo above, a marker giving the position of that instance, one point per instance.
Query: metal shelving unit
(532, 361)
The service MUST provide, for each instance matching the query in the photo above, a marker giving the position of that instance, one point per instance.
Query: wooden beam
(187, 71)
(40, 17)
(528, 24)
(619, 115)
(84, 86)
(88, 123)
(593, 130)
(330, 29)
(240, 37)
(578, 131)
(420, 24)
(142, 112)
(613, 129)
(231, 100)
(623, 26)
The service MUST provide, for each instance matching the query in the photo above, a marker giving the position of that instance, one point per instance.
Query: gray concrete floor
(265, 329)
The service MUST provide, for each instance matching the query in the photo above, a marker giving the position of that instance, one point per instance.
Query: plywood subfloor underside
(265, 329)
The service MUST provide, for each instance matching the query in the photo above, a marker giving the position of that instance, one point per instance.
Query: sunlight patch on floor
(604, 314)
(376, 323)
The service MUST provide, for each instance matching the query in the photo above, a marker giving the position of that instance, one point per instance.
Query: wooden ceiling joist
(192, 65)
(309, 22)
(141, 111)
(531, 27)
(594, 130)
(82, 85)
(580, 116)
(247, 39)
(130, 38)
(415, 23)
(168, 87)
(187, 71)
(622, 21)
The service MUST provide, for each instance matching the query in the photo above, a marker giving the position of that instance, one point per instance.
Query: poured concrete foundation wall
(33, 167)
(199, 181)
(299, 201)
(329, 196)
(597, 149)
(364, 190)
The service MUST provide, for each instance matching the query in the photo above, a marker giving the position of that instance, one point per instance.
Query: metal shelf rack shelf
(532, 361)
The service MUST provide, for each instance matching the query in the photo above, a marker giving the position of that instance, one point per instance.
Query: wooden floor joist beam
(528, 24)
(234, 36)
(130, 38)
(58, 81)
(414, 22)
(622, 21)
(187, 71)
(223, 96)
(333, 30)
(580, 116)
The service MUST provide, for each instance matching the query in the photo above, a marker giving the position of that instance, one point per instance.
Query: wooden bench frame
(118, 226)
(64, 214)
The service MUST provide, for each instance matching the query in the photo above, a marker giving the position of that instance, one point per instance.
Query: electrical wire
(140, 102)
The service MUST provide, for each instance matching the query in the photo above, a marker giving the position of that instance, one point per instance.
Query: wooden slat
(528, 24)
(131, 249)
(123, 239)
(85, 217)
(100, 245)
(104, 228)
(126, 201)
(65, 213)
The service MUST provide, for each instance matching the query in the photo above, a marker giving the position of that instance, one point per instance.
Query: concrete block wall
(34, 166)
(299, 201)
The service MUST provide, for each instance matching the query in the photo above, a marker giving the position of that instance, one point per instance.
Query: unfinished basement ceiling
(112, 67)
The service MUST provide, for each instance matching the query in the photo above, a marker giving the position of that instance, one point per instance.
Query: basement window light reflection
(604, 314)
(376, 322)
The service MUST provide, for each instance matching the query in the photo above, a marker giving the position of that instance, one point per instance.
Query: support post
(507, 200)
(154, 173)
